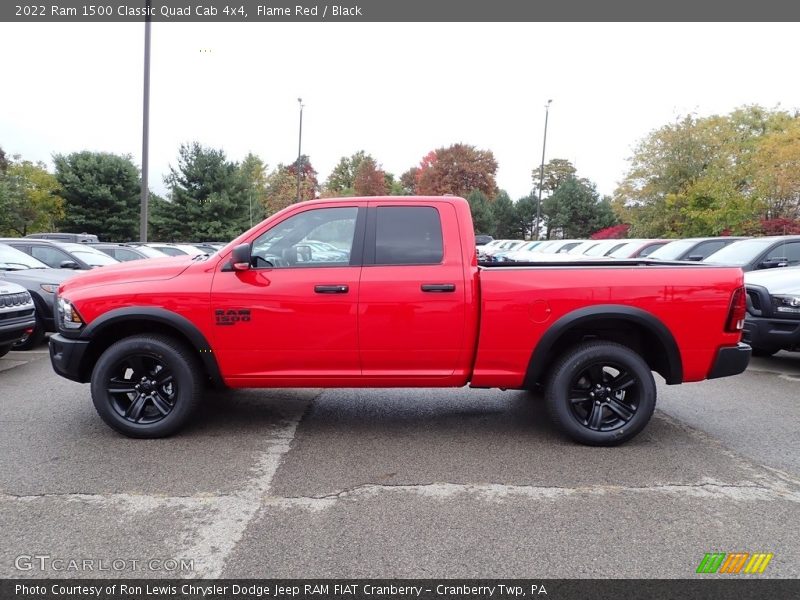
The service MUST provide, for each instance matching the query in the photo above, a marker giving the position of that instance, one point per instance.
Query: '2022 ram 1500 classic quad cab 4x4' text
(402, 303)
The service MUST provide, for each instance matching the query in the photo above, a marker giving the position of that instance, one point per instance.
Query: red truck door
(294, 313)
(412, 301)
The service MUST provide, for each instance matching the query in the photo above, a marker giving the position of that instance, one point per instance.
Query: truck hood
(783, 280)
(31, 278)
(150, 269)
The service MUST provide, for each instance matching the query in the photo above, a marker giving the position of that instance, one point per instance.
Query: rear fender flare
(583, 317)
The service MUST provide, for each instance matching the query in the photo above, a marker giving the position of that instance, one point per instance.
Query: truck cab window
(408, 235)
(321, 237)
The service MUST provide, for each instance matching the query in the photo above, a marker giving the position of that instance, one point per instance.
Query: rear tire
(5, 349)
(601, 394)
(146, 386)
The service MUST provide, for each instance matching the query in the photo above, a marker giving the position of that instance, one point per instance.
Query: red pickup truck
(387, 292)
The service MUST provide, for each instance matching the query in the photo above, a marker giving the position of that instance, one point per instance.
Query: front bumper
(731, 360)
(12, 329)
(771, 334)
(66, 356)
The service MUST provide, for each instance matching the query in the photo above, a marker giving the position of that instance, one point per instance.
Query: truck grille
(15, 314)
(18, 299)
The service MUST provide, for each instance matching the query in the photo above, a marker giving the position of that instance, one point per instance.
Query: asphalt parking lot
(397, 483)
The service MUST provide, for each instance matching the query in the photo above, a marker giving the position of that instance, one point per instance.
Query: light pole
(145, 129)
(299, 147)
(541, 170)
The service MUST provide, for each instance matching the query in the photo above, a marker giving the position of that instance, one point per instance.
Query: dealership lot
(396, 483)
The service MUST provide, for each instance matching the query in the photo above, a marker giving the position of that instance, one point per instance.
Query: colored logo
(734, 563)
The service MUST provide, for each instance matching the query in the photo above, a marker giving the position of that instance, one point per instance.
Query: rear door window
(408, 235)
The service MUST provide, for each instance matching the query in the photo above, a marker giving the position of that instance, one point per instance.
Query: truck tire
(601, 393)
(146, 386)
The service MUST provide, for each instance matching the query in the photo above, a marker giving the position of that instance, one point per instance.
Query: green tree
(505, 216)
(702, 176)
(576, 210)
(341, 181)
(482, 215)
(254, 172)
(458, 170)
(526, 215)
(408, 181)
(556, 171)
(101, 194)
(282, 186)
(29, 199)
(208, 195)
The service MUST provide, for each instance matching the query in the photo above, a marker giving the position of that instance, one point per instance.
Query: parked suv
(59, 255)
(17, 315)
(695, 249)
(760, 253)
(773, 310)
(41, 282)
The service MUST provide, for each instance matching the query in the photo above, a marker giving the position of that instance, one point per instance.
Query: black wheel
(146, 386)
(5, 349)
(765, 352)
(33, 339)
(601, 394)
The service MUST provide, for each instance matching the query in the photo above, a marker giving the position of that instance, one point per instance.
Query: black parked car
(695, 249)
(760, 253)
(59, 255)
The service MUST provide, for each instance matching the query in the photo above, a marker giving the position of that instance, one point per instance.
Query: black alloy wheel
(601, 393)
(603, 396)
(147, 386)
(142, 389)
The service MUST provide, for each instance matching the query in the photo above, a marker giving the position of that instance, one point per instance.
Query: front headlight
(787, 304)
(68, 317)
(50, 288)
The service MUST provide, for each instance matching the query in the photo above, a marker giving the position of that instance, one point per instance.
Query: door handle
(438, 287)
(331, 289)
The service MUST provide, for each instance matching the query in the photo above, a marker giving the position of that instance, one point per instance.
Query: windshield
(625, 250)
(601, 248)
(150, 252)
(16, 259)
(673, 250)
(739, 253)
(95, 259)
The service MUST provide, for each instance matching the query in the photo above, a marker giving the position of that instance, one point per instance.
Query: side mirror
(773, 262)
(695, 257)
(240, 257)
(68, 264)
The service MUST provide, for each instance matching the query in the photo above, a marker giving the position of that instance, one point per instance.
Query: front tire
(601, 394)
(146, 386)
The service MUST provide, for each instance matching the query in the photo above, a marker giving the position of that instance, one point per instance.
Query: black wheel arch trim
(158, 315)
(541, 354)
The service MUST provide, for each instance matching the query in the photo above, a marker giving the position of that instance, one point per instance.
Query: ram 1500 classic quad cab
(387, 292)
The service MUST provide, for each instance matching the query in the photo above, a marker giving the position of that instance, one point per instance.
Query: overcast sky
(395, 90)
